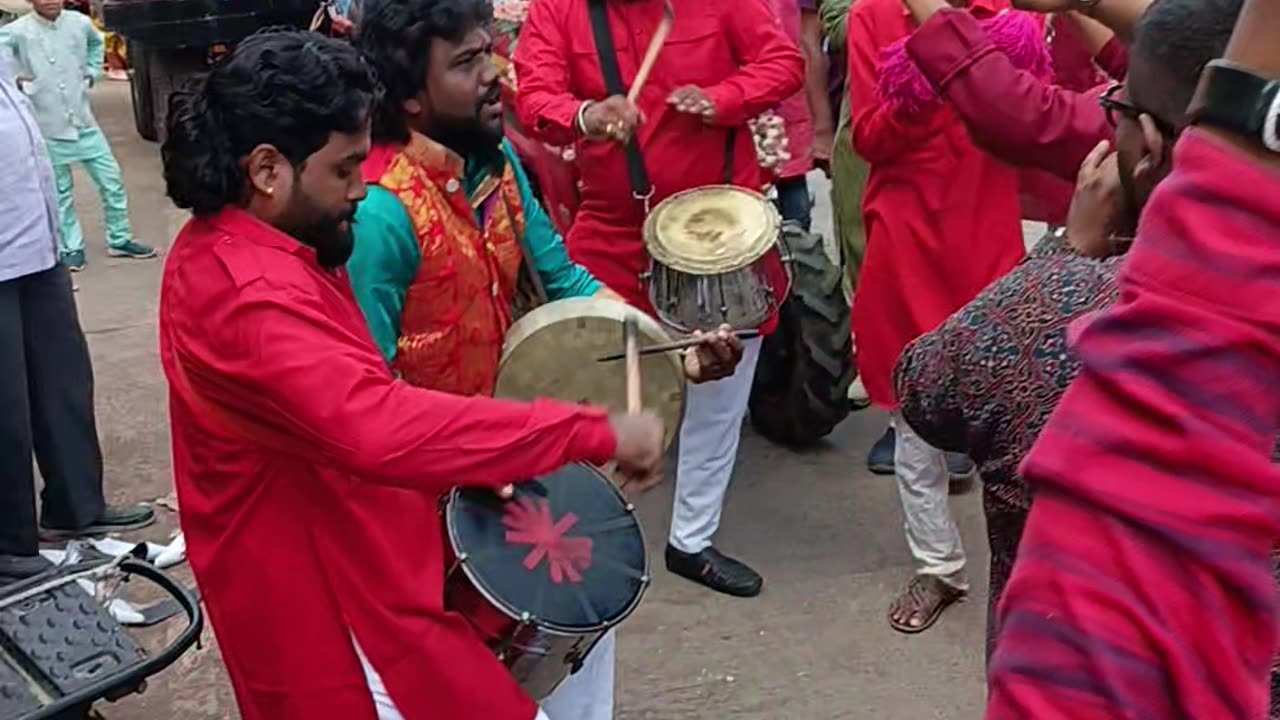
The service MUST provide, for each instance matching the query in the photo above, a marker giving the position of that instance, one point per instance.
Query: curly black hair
(280, 87)
(395, 38)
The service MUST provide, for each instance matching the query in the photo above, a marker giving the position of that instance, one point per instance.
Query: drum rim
(540, 623)
(659, 254)
(655, 321)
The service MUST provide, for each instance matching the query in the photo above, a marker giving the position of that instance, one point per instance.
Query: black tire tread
(802, 382)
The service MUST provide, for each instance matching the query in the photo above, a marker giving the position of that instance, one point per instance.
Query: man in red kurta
(726, 61)
(309, 477)
(942, 220)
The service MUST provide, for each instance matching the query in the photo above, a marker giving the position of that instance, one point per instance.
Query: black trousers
(46, 409)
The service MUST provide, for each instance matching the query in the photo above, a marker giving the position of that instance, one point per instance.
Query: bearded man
(298, 457)
(452, 243)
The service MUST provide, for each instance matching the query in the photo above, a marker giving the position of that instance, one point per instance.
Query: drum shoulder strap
(640, 184)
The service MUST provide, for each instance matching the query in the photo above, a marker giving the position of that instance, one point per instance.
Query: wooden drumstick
(651, 54)
(630, 331)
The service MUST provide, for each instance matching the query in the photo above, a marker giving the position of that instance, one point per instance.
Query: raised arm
(878, 135)
(771, 67)
(544, 103)
(1009, 112)
(277, 365)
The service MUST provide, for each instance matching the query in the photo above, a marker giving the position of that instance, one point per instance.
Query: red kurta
(942, 217)
(1143, 587)
(310, 482)
(734, 50)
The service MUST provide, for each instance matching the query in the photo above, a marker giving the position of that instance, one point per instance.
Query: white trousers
(585, 695)
(708, 448)
(588, 693)
(924, 485)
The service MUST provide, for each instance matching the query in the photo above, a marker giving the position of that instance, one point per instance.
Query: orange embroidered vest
(459, 306)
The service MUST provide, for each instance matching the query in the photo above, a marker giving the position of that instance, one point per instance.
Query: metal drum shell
(730, 283)
(528, 646)
(552, 352)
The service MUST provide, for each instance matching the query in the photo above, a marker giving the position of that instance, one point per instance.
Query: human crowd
(370, 217)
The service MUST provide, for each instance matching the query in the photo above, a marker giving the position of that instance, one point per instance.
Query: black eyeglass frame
(1112, 105)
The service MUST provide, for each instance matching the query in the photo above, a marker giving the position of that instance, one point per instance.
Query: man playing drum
(309, 476)
(438, 264)
(725, 62)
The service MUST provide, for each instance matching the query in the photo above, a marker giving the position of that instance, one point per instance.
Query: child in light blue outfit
(59, 56)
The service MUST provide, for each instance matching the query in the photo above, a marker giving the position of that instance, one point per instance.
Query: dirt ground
(825, 533)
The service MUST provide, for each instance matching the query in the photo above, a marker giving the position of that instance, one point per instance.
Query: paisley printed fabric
(458, 308)
(986, 381)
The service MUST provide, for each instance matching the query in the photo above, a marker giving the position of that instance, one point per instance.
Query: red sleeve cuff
(946, 44)
(594, 441)
(728, 101)
(1113, 58)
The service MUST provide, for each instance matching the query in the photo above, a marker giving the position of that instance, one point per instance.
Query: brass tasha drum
(553, 352)
(716, 258)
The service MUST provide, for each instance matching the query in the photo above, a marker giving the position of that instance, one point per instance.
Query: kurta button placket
(452, 186)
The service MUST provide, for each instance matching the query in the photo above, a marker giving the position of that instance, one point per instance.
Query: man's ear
(1154, 141)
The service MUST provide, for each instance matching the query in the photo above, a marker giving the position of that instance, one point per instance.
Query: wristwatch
(1236, 99)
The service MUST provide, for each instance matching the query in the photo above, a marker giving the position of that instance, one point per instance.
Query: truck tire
(157, 72)
(802, 381)
(144, 114)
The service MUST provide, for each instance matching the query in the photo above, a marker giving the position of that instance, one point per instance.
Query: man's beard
(330, 238)
(468, 136)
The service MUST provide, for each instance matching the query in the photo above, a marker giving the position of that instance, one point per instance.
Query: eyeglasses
(1114, 106)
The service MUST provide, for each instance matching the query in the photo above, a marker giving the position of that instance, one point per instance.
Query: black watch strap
(1236, 99)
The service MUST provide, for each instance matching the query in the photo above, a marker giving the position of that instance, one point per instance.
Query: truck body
(171, 40)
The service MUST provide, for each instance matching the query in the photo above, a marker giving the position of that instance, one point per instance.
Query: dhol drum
(543, 576)
(554, 350)
(716, 259)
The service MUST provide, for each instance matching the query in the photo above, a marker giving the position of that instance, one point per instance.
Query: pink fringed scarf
(1020, 36)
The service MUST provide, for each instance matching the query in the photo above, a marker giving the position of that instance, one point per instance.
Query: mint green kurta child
(57, 62)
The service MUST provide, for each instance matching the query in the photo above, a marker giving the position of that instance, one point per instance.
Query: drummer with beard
(310, 478)
(724, 63)
(438, 265)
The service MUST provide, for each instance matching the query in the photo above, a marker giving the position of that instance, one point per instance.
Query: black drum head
(566, 550)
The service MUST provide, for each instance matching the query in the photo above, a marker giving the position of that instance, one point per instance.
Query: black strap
(608, 55)
(730, 140)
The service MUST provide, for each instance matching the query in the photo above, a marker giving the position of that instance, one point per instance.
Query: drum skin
(716, 259)
(553, 351)
(543, 576)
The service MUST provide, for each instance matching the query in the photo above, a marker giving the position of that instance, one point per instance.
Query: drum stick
(651, 55)
(678, 345)
(629, 332)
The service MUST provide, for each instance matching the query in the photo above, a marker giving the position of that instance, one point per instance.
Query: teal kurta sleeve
(383, 264)
(561, 277)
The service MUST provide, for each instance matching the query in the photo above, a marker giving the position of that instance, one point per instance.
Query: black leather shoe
(880, 459)
(113, 519)
(21, 567)
(720, 573)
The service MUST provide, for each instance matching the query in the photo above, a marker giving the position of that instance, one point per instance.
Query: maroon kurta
(1009, 112)
(942, 217)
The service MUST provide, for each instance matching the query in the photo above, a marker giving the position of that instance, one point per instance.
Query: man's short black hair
(395, 37)
(1172, 43)
(286, 88)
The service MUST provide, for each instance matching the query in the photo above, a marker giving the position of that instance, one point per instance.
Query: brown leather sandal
(923, 600)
